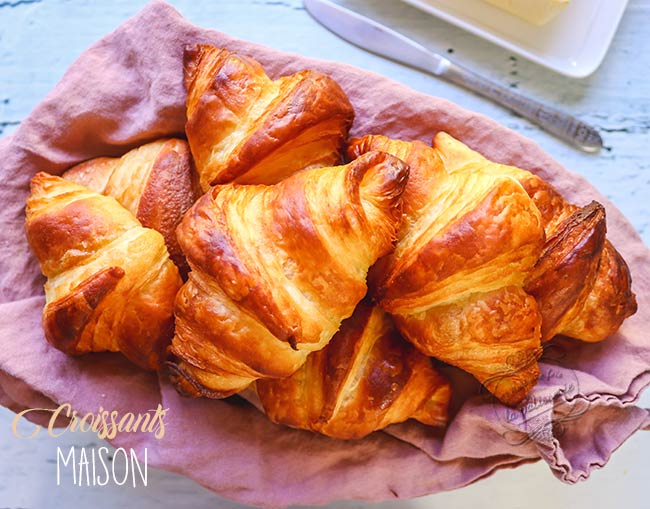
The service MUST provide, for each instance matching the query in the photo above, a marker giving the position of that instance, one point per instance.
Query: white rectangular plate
(573, 44)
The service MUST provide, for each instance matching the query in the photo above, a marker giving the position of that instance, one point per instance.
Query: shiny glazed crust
(275, 269)
(581, 283)
(455, 280)
(366, 378)
(479, 278)
(243, 127)
(110, 282)
(155, 182)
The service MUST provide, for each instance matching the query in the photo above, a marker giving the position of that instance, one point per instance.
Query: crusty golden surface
(476, 282)
(581, 283)
(366, 378)
(244, 127)
(110, 282)
(155, 182)
(458, 157)
(275, 269)
(455, 279)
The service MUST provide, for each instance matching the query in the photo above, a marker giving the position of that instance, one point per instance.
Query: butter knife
(381, 40)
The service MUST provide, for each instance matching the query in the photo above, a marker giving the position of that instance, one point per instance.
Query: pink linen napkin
(127, 89)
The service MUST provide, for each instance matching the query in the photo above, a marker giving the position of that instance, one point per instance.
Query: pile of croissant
(250, 257)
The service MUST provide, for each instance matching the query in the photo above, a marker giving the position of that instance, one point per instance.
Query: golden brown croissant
(366, 378)
(455, 280)
(243, 127)
(581, 283)
(155, 182)
(275, 269)
(110, 283)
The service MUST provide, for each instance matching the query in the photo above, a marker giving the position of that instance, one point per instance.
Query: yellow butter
(537, 12)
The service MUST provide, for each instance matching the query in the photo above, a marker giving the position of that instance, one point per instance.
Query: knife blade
(383, 41)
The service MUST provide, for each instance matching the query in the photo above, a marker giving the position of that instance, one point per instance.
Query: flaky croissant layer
(492, 261)
(366, 378)
(244, 127)
(455, 279)
(155, 182)
(581, 282)
(111, 284)
(275, 269)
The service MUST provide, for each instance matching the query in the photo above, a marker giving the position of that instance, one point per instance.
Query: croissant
(366, 378)
(275, 269)
(110, 283)
(243, 127)
(155, 182)
(455, 281)
(581, 283)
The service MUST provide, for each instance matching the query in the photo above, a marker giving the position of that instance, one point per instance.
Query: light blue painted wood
(40, 38)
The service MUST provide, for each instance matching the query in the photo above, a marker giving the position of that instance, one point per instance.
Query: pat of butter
(538, 12)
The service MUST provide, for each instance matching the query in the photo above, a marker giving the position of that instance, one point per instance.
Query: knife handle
(563, 125)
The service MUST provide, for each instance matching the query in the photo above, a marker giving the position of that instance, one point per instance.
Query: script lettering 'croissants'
(366, 378)
(581, 283)
(244, 127)
(110, 283)
(155, 182)
(275, 269)
(455, 280)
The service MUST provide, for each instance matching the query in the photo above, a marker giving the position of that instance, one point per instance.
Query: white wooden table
(40, 38)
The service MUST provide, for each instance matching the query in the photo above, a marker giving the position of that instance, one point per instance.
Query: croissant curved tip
(512, 388)
(584, 224)
(593, 209)
(187, 385)
(443, 137)
(358, 146)
(568, 265)
(382, 177)
(64, 320)
(41, 176)
(40, 181)
(435, 410)
(192, 56)
(193, 51)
